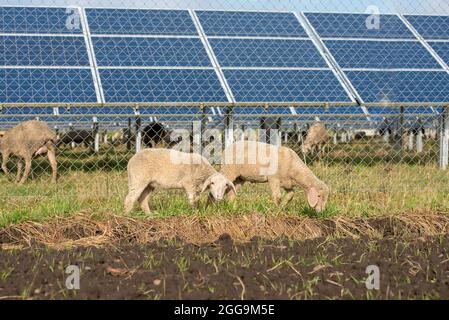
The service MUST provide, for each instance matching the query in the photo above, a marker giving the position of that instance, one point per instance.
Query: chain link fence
(110, 80)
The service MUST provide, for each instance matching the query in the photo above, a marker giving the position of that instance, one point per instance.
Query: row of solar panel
(218, 23)
(190, 52)
(182, 71)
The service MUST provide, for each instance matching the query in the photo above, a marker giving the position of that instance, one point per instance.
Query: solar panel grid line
(92, 58)
(43, 67)
(332, 63)
(424, 42)
(215, 63)
(277, 68)
(259, 38)
(153, 68)
(393, 69)
(370, 39)
(219, 72)
(145, 36)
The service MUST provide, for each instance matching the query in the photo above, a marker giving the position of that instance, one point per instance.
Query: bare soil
(320, 268)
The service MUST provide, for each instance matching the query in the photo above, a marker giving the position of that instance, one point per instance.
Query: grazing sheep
(316, 139)
(281, 167)
(77, 136)
(172, 169)
(153, 134)
(26, 140)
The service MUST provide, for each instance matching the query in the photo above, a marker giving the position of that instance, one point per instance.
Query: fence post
(96, 134)
(72, 144)
(444, 138)
(202, 127)
(128, 135)
(228, 126)
(138, 129)
(419, 142)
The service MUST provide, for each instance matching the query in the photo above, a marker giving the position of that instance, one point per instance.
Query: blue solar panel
(346, 25)
(266, 53)
(381, 54)
(150, 52)
(39, 20)
(161, 85)
(132, 21)
(442, 49)
(431, 27)
(46, 85)
(285, 85)
(253, 24)
(403, 86)
(407, 110)
(43, 51)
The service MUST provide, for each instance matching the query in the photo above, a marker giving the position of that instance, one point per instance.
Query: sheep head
(317, 196)
(218, 185)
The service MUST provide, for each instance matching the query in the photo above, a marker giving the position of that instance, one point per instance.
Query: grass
(367, 179)
(362, 192)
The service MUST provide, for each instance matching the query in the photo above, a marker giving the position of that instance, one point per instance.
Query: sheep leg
(27, 171)
(133, 194)
(143, 199)
(4, 162)
(231, 194)
(19, 170)
(288, 196)
(51, 154)
(275, 186)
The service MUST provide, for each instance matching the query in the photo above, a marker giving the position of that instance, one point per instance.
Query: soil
(321, 268)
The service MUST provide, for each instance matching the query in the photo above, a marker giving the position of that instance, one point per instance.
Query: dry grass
(84, 229)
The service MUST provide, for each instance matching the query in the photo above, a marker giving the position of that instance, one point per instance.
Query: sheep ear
(312, 197)
(230, 184)
(206, 184)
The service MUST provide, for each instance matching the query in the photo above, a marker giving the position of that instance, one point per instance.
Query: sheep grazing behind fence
(172, 169)
(281, 167)
(25, 141)
(316, 139)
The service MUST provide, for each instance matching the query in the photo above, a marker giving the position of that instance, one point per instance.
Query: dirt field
(322, 268)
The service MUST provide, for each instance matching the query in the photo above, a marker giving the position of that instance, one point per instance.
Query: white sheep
(281, 167)
(316, 139)
(172, 169)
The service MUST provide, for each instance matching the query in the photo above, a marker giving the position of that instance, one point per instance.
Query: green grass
(97, 184)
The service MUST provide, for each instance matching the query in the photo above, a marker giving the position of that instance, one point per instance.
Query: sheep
(316, 139)
(281, 167)
(26, 140)
(172, 169)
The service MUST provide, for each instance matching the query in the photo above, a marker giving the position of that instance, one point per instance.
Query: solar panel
(348, 25)
(40, 20)
(161, 85)
(43, 51)
(381, 54)
(401, 86)
(163, 52)
(136, 21)
(266, 53)
(269, 57)
(430, 27)
(167, 63)
(250, 24)
(442, 49)
(45, 57)
(285, 85)
(384, 64)
(46, 85)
